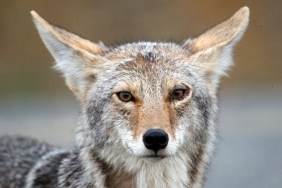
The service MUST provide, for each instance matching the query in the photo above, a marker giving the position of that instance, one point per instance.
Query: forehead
(148, 57)
(150, 51)
(157, 63)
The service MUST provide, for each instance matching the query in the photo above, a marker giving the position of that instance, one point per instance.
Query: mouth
(153, 158)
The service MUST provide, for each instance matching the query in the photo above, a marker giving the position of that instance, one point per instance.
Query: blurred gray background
(34, 100)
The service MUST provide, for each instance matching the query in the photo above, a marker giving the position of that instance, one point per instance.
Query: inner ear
(225, 33)
(76, 58)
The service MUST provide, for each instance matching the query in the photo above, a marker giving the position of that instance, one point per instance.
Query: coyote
(148, 112)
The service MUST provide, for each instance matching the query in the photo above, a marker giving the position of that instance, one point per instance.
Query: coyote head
(145, 102)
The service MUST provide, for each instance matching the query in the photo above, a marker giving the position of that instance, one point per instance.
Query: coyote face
(149, 102)
(147, 106)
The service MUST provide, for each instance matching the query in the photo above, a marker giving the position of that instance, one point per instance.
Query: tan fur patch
(158, 116)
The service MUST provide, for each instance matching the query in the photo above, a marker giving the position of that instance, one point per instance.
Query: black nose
(155, 139)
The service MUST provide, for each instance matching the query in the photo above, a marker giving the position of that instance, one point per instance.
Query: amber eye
(179, 94)
(125, 96)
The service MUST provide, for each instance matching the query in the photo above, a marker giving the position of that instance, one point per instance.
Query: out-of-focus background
(34, 100)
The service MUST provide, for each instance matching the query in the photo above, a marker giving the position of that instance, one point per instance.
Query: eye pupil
(125, 96)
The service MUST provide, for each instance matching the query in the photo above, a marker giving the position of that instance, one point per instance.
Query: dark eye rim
(118, 94)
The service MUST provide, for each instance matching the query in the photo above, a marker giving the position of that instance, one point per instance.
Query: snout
(155, 139)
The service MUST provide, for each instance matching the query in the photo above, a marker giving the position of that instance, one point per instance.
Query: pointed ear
(78, 59)
(212, 50)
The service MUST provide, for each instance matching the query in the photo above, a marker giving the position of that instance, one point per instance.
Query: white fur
(170, 172)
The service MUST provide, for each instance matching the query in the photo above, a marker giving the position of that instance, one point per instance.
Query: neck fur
(136, 173)
(167, 174)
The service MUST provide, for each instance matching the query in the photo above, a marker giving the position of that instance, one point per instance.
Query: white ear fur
(212, 51)
(75, 57)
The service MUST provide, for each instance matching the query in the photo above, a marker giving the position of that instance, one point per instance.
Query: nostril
(155, 139)
(149, 140)
(163, 139)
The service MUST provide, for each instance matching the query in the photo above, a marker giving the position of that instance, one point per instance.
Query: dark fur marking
(73, 170)
(204, 104)
(106, 169)
(47, 175)
(196, 159)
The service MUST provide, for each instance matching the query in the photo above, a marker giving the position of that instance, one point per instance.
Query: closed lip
(155, 156)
